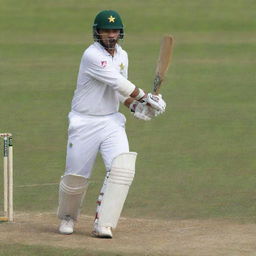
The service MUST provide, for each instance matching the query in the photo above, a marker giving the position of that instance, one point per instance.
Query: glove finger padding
(156, 102)
(141, 112)
(150, 112)
(142, 116)
(145, 112)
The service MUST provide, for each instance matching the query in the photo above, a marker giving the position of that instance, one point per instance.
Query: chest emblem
(121, 67)
(104, 63)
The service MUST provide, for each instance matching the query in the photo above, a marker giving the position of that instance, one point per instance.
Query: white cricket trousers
(88, 135)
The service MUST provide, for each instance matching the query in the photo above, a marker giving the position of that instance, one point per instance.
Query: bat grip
(157, 83)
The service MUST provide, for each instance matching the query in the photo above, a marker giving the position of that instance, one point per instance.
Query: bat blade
(163, 62)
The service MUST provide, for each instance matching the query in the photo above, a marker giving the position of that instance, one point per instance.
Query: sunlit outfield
(195, 161)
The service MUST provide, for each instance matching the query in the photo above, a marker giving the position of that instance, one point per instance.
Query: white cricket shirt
(99, 78)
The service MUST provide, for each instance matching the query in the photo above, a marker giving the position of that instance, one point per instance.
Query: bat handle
(156, 86)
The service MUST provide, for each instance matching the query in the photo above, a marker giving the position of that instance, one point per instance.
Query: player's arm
(107, 74)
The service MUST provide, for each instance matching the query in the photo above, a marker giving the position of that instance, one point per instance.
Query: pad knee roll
(115, 189)
(71, 194)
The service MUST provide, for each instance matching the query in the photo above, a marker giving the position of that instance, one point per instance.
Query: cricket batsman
(95, 125)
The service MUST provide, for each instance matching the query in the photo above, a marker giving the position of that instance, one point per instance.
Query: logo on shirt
(104, 63)
(121, 66)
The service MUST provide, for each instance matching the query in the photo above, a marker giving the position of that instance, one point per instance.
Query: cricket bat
(164, 60)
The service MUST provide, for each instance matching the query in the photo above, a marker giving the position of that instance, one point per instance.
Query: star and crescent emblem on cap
(111, 19)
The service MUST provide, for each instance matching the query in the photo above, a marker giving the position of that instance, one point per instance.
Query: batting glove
(155, 101)
(143, 111)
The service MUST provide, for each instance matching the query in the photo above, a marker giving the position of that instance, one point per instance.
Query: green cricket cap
(108, 19)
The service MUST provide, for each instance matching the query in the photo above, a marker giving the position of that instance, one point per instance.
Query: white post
(5, 177)
(10, 179)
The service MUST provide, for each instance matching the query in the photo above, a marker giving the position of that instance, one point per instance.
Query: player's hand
(143, 111)
(155, 101)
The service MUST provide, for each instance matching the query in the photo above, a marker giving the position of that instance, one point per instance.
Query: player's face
(109, 37)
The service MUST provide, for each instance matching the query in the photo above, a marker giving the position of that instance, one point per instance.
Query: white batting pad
(115, 189)
(71, 194)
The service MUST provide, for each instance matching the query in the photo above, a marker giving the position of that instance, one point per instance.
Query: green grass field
(195, 161)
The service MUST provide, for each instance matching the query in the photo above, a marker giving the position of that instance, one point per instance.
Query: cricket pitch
(137, 236)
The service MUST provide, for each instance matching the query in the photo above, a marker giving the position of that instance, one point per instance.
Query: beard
(109, 44)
